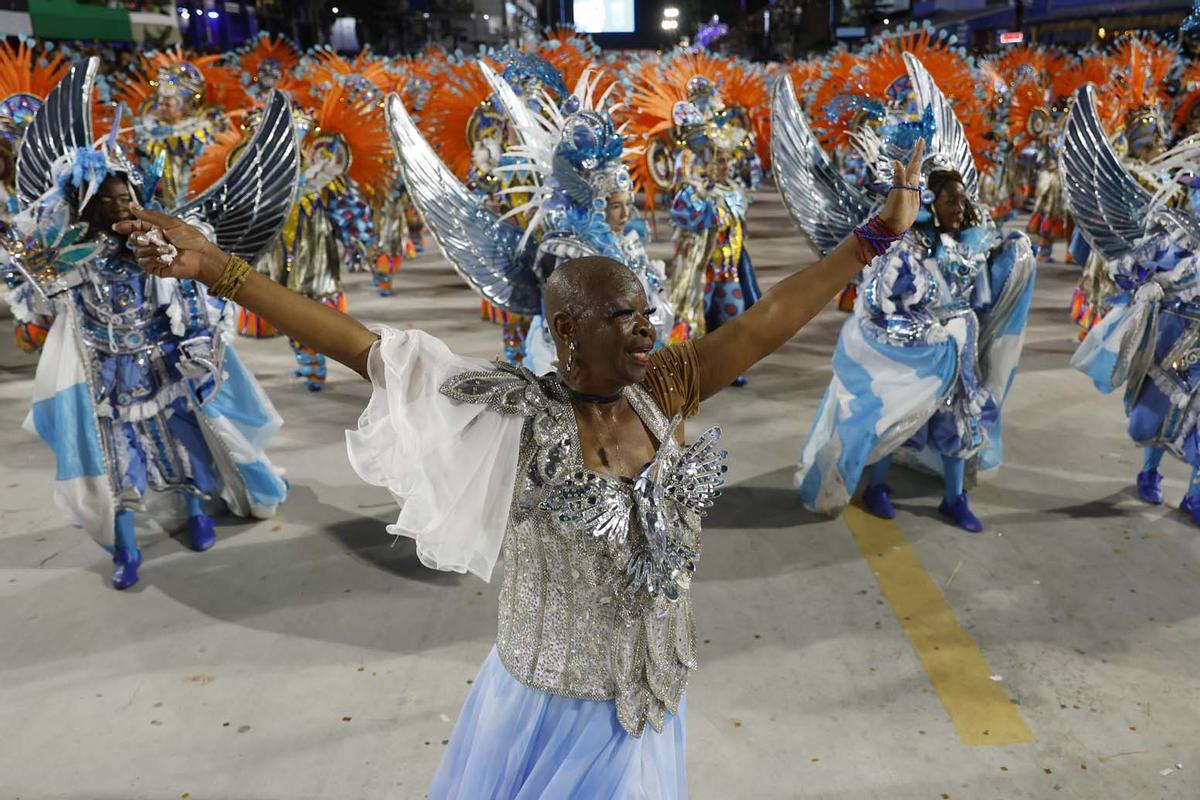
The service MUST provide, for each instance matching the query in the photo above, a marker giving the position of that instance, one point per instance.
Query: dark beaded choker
(596, 399)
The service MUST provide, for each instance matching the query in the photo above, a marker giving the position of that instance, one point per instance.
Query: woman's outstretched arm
(326, 330)
(783, 310)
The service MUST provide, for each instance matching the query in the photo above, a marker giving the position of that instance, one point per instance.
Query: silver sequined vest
(571, 621)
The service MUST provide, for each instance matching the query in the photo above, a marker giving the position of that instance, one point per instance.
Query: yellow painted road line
(980, 709)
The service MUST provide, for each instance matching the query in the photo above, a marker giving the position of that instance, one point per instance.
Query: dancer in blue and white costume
(929, 356)
(1147, 342)
(137, 392)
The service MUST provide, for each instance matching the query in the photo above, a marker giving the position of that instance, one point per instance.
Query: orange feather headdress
(361, 128)
(1027, 109)
(222, 88)
(1142, 65)
(806, 76)
(837, 73)
(458, 91)
(878, 73)
(276, 54)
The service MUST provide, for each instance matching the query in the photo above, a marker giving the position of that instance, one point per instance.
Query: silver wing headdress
(1111, 208)
(548, 148)
(949, 149)
(487, 252)
(245, 209)
(823, 204)
(62, 124)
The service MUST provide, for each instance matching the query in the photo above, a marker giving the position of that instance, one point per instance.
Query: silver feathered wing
(950, 145)
(247, 207)
(63, 123)
(823, 204)
(1110, 207)
(485, 251)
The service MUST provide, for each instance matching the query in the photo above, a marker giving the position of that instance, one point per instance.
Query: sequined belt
(125, 339)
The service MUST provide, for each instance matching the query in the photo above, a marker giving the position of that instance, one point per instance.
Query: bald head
(583, 284)
(597, 310)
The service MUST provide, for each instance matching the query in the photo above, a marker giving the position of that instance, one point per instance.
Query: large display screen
(604, 16)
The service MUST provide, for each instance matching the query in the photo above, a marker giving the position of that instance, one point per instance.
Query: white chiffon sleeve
(451, 466)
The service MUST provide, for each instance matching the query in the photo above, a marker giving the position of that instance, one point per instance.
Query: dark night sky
(648, 14)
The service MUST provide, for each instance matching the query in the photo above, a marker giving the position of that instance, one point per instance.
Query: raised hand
(904, 200)
(194, 255)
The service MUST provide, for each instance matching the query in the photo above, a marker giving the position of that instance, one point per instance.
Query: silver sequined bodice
(569, 623)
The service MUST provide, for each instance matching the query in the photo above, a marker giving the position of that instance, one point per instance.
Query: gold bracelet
(236, 271)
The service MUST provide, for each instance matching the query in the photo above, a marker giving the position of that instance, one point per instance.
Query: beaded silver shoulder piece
(517, 391)
(506, 389)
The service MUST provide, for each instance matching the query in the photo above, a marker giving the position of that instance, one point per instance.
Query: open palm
(900, 210)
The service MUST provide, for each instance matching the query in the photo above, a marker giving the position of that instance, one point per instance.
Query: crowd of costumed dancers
(1095, 146)
(155, 215)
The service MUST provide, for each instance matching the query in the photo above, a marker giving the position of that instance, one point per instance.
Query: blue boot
(960, 511)
(1191, 507)
(878, 501)
(739, 381)
(202, 531)
(126, 555)
(200, 525)
(1149, 487)
(125, 567)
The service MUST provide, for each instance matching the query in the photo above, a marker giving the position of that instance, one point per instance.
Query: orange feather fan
(20, 72)
(329, 68)
(1026, 96)
(1028, 61)
(836, 78)
(457, 89)
(278, 49)
(362, 128)
(805, 76)
(648, 113)
(1141, 67)
(215, 160)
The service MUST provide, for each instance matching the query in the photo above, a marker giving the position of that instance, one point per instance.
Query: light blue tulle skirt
(516, 743)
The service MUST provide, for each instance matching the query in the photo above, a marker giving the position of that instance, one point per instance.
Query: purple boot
(959, 511)
(1191, 507)
(202, 532)
(1149, 487)
(878, 501)
(125, 567)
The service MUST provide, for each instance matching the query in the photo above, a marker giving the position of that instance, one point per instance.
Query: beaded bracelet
(874, 238)
(906, 188)
(233, 276)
